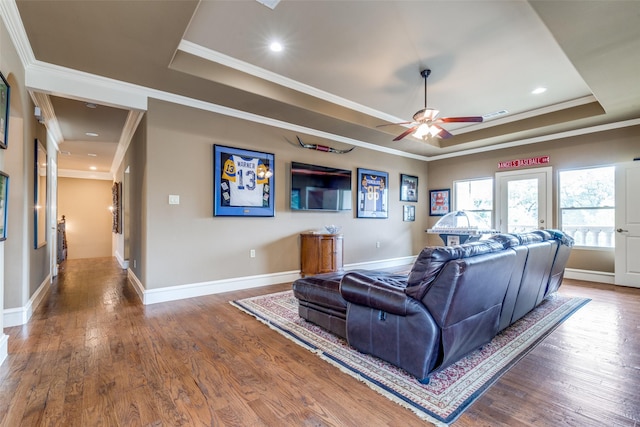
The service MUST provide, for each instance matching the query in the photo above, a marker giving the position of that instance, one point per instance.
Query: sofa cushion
(431, 260)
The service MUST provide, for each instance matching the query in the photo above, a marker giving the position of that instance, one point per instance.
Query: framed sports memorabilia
(409, 213)
(243, 182)
(4, 111)
(408, 188)
(373, 197)
(439, 202)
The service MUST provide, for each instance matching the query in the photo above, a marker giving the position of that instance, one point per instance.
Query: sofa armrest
(387, 296)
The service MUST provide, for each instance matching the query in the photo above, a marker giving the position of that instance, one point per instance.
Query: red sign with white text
(532, 161)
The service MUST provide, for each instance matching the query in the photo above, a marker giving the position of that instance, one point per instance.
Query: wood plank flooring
(93, 355)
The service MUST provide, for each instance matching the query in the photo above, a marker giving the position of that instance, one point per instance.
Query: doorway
(627, 236)
(523, 200)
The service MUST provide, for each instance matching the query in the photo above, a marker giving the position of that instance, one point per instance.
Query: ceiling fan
(425, 124)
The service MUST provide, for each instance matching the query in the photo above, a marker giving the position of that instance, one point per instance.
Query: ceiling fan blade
(444, 134)
(461, 119)
(394, 124)
(405, 133)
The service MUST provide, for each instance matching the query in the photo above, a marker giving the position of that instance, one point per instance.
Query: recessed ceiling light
(93, 168)
(65, 153)
(539, 90)
(276, 46)
(92, 155)
(91, 134)
(90, 105)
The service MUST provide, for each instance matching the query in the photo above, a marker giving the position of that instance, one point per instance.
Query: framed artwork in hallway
(4, 111)
(4, 193)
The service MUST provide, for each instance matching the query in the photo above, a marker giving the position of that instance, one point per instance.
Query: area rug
(451, 390)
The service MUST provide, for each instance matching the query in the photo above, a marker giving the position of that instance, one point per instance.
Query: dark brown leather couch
(454, 300)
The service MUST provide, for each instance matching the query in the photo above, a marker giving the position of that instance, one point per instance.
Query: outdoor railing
(583, 235)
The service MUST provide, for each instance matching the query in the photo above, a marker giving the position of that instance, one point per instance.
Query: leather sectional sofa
(454, 300)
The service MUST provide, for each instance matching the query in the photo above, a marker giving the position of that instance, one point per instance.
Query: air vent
(495, 114)
(271, 4)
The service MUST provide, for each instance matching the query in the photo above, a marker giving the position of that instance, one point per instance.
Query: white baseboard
(590, 276)
(21, 315)
(173, 293)
(4, 347)
(124, 263)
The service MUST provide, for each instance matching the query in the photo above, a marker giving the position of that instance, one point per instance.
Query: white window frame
(493, 197)
(560, 209)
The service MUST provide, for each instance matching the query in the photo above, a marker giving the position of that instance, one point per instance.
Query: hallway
(92, 354)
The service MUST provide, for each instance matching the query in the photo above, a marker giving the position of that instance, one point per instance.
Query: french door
(523, 200)
(627, 252)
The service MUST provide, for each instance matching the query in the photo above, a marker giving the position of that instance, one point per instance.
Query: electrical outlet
(134, 263)
(252, 253)
(377, 244)
(174, 199)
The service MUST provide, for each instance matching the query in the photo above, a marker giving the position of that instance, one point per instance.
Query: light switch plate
(174, 200)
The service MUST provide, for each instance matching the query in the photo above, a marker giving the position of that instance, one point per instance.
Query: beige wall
(187, 244)
(85, 204)
(24, 268)
(596, 149)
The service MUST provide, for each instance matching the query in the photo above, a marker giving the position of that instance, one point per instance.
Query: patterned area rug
(449, 391)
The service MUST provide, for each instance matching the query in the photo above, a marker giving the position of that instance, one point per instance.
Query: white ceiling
(346, 67)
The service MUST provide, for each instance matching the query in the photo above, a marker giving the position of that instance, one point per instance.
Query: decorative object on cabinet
(62, 240)
(333, 229)
(4, 197)
(324, 148)
(243, 182)
(116, 207)
(408, 213)
(439, 202)
(408, 188)
(373, 198)
(5, 91)
(40, 201)
(320, 253)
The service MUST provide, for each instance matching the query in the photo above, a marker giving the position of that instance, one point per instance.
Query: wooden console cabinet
(320, 253)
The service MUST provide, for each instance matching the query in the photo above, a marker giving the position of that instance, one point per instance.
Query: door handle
(620, 230)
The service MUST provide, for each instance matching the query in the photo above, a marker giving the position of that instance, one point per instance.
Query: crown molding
(15, 28)
(42, 101)
(228, 61)
(534, 140)
(130, 126)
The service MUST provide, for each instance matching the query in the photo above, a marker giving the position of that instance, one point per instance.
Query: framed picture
(116, 205)
(243, 182)
(408, 188)
(4, 197)
(409, 213)
(372, 194)
(4, 111)
(439, 202)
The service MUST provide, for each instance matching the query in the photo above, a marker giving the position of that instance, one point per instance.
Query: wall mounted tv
(316, 187)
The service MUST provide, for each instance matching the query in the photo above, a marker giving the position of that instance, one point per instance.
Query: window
(475, 196)
(587, 205)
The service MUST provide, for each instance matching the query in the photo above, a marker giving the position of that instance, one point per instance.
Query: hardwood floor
(92, 354)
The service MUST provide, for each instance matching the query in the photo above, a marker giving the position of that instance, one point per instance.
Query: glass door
(523, 200)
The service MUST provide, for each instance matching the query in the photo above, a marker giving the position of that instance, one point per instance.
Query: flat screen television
(316, 187)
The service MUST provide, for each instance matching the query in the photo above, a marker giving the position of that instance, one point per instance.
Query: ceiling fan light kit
(424, 121)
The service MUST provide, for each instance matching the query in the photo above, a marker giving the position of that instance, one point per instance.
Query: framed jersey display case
(373, 197)
(243, 182)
